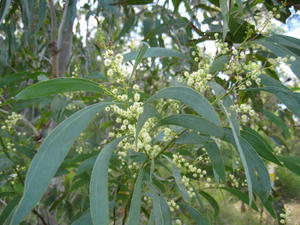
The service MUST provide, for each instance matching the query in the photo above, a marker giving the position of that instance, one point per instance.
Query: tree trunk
(65, 33)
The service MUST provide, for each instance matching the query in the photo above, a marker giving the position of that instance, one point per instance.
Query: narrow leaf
(211, 201)
(225, 15)
(135, 205)
(235, 139)
(50, 156)
(260, 145)
(140, 55)
(283, 46)
(285, 95)
(156, 52)
(292, 163)
(191, 138)
(161, 211)
(86, 165)
(195, 214)
(256, 172)
(99, 203)
(227, 102)
(278, 121)
(85, 219)
(56, 86)
(289, 98)
(178, 180)
(216, 159)
(128, 24)
(219, 64)
(193, 122)
(192, 99)
(180, 185)
(241, 196)
(270, 206)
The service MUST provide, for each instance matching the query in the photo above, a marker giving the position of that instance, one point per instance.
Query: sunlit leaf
(191, 98)
(140, 55)
(225, 15)
(56, 86)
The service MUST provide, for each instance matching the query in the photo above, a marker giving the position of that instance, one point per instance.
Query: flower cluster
(11, 146)
(173, 205)
(284, 217)
(79, 149)
(11, 121)
(245, 72)
(186, 167)
(178, 222)
(187, 183)
(127, 112)
(147, 199)
(236, 182)
(117, 70)
(126, 120)
(263, 19)
(199, 78)
(222, 47)
(280, 60)
(278, 149)
(245, 111)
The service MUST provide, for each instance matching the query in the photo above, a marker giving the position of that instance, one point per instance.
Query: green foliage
(155, 52)
(99, 203)
(98, 129)
(191, 98)
(50, 156)
(57, 86)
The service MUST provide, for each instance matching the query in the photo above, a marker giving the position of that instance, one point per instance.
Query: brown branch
(40, 216)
